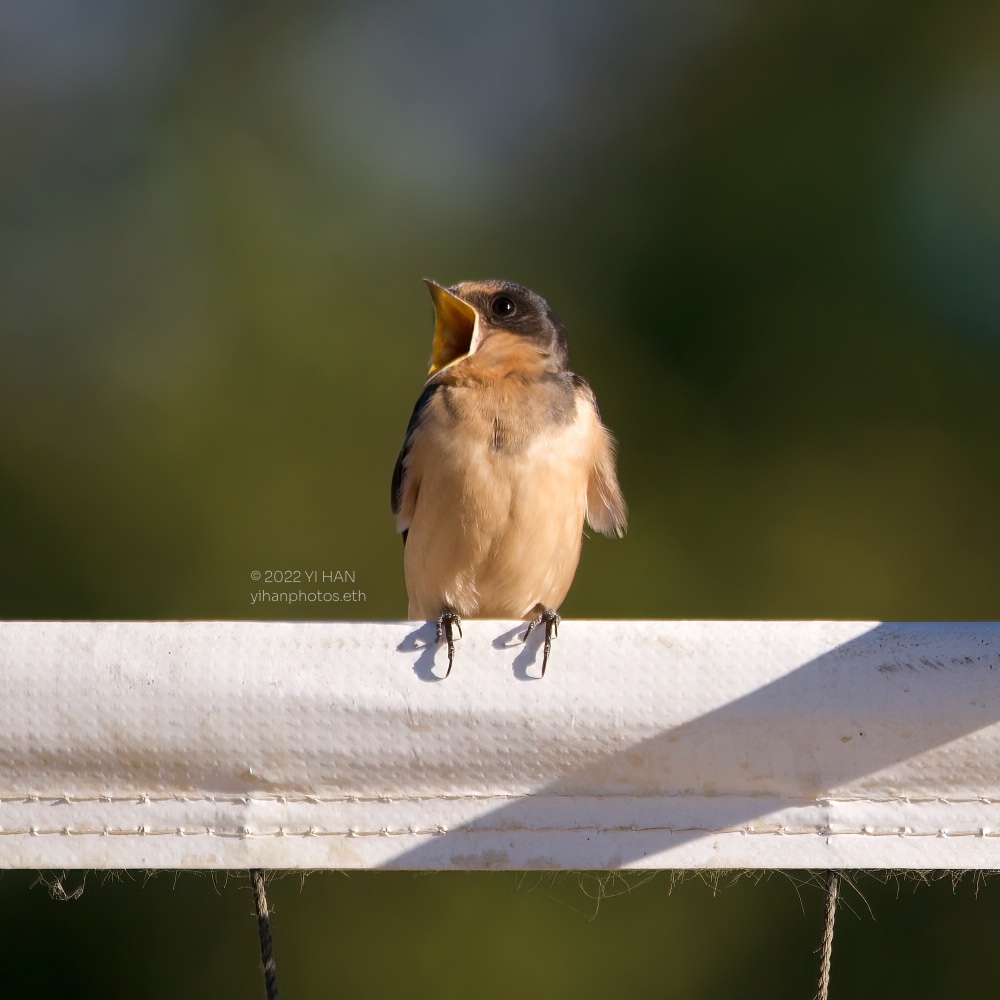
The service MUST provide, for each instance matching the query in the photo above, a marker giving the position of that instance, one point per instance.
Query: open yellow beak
(454, 323)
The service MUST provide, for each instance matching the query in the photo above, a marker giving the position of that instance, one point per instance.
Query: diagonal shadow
(890, 695)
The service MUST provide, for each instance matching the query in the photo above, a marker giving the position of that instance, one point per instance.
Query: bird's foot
(551, 620)
(447, 622)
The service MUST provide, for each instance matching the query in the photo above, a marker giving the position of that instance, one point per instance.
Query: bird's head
(466, 314)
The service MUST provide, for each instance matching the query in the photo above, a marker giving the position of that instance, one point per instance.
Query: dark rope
(264, 930)
(826, 948)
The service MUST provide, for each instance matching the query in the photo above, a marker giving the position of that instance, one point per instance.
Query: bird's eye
(503, 307)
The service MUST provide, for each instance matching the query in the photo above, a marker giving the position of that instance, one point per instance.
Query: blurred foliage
(495, 935)
(773, 233)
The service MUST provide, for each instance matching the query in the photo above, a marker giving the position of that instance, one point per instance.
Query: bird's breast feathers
(495, 480)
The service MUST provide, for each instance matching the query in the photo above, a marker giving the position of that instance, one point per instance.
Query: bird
(503, 459)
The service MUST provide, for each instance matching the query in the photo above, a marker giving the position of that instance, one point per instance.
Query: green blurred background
(773, 232)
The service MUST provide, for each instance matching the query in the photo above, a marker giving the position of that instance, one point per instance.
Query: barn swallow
(504, 457)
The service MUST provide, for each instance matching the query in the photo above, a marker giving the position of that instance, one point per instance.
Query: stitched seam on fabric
(236, 799)
(247, 834)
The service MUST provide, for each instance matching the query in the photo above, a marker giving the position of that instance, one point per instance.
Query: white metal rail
(648, 744)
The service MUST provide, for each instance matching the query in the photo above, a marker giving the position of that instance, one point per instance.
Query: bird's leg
(551, 620)
(447, 622)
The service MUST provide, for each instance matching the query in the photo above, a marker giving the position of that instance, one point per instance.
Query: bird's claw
(447, 622)
(551, 620)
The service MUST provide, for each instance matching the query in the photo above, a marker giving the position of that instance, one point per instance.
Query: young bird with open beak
(504, 456)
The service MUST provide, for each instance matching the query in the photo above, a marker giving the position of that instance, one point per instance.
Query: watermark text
(305, 576)
(308, 597)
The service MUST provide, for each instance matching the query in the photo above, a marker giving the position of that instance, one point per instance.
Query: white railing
(648, 744)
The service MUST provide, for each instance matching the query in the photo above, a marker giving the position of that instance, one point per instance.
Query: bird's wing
(607, 511)
(403, 486)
